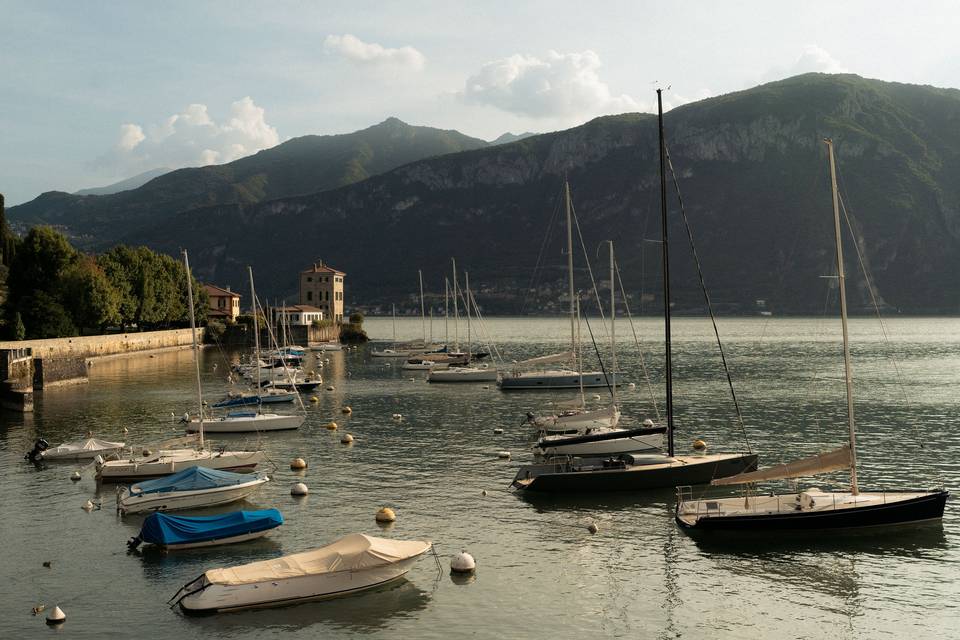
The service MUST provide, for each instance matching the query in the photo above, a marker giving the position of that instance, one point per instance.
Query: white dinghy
(86, 449)
(353, 563)
(191, 488)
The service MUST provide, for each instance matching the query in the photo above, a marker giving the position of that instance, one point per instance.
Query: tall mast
(446, 314)
(196, 348)
(579, 356)
(466, 276)
(393, 314)
(847, 366)
(613, 327)
(423, 313)
(456, 309)
(431, 324)
(668, 357)
(256, 328)
(573, 333)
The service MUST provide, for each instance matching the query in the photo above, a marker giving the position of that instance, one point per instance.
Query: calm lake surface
(540, 574)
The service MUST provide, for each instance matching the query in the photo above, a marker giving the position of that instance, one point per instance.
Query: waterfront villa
(322, 286)
(224, 304)
(296, 315)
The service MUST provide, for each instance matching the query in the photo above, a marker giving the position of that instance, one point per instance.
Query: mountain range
(750, 166)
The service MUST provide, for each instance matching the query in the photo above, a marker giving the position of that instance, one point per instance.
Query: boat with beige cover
(353, 563)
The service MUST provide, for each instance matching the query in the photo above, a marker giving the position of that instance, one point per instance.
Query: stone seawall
(59, 360)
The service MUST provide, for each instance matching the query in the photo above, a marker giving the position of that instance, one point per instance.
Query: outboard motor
(531, 419)
(39, 447)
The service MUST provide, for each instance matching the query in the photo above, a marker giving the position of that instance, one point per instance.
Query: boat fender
(39, 447)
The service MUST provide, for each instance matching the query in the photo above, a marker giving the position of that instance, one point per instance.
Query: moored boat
(173, 533)
(191, 488)
(86, 449)
(353, 563)
(246, 422)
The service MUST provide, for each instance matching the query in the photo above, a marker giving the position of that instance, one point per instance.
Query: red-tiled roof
(299, 308)
(217, 291)
(319, 267)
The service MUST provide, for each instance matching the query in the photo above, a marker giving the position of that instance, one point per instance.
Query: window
(309, 279)
(309, 296)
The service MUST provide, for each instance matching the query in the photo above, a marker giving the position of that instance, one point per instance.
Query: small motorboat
(193, 487)
(189, 532)
(86, 449)
(464, 374)
(264, 396)
(326, 346)
(353, 563)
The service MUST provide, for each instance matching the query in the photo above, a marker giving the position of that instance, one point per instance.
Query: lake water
(540, 573)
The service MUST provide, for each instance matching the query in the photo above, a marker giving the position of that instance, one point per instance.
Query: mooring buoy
(299, 490)
(463, 562)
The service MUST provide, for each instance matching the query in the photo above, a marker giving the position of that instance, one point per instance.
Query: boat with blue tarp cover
(188, 489)
(188, 532)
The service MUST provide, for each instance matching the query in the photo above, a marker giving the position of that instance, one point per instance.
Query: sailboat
(638, 471)
(813, 508)
(247, 421)
(519, 378)
(563, 434)
(166, 461)
(394, 351)
(469, 373)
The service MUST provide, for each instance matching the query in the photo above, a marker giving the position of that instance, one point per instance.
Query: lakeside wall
(61, 360)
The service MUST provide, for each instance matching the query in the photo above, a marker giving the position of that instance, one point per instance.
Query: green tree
(44, 317)
(39, 262)
(89, 296)
(19, 331)
(121, 266)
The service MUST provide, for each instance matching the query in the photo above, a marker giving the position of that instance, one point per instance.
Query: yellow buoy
(298, 463)
(346, 410)
(331, 426)
(386, 514)
(314, 399)
(699, 445)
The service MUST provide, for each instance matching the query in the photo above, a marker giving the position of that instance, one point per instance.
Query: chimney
(228, 289)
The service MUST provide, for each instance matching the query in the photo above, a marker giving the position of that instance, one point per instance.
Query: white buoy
(398, 416)
(87, 506)
(648, 422)
(125, 430)
(330, 388)
(56, 616)
(486, 386)
(592, 528)
(463, 562)
(346, 439)
(503, 455)
(299, 489)
(596, 396)
(632, 385)
(498, 431)
(386, 514)
(298, 463)
(75, 476)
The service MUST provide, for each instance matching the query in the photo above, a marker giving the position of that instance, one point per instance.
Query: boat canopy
(89, 444)
(192, 479)
(820, 463)
(556, 357)
(160, 528)
(351, 553)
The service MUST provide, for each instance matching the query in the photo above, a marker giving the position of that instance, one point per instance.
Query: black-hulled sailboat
(639, 471)
(812, 509)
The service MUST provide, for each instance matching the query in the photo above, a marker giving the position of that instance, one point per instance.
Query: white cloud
(130, 136)
(370, 53)
(812, 59)
(561, 85)
(191, 138)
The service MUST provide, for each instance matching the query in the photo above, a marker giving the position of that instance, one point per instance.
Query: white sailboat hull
(551, 446)
(174, 500)
(463, 374)
(247, 423)
(171, 461)
(578, 421)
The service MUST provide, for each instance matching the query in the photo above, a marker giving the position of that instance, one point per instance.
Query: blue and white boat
(189, 489)
(189, 532)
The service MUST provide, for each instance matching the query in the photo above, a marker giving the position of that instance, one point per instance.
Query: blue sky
(94, 92)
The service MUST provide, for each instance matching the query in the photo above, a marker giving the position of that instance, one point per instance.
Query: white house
(297, 314)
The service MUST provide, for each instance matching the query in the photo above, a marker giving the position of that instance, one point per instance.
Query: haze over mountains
(386, 201)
